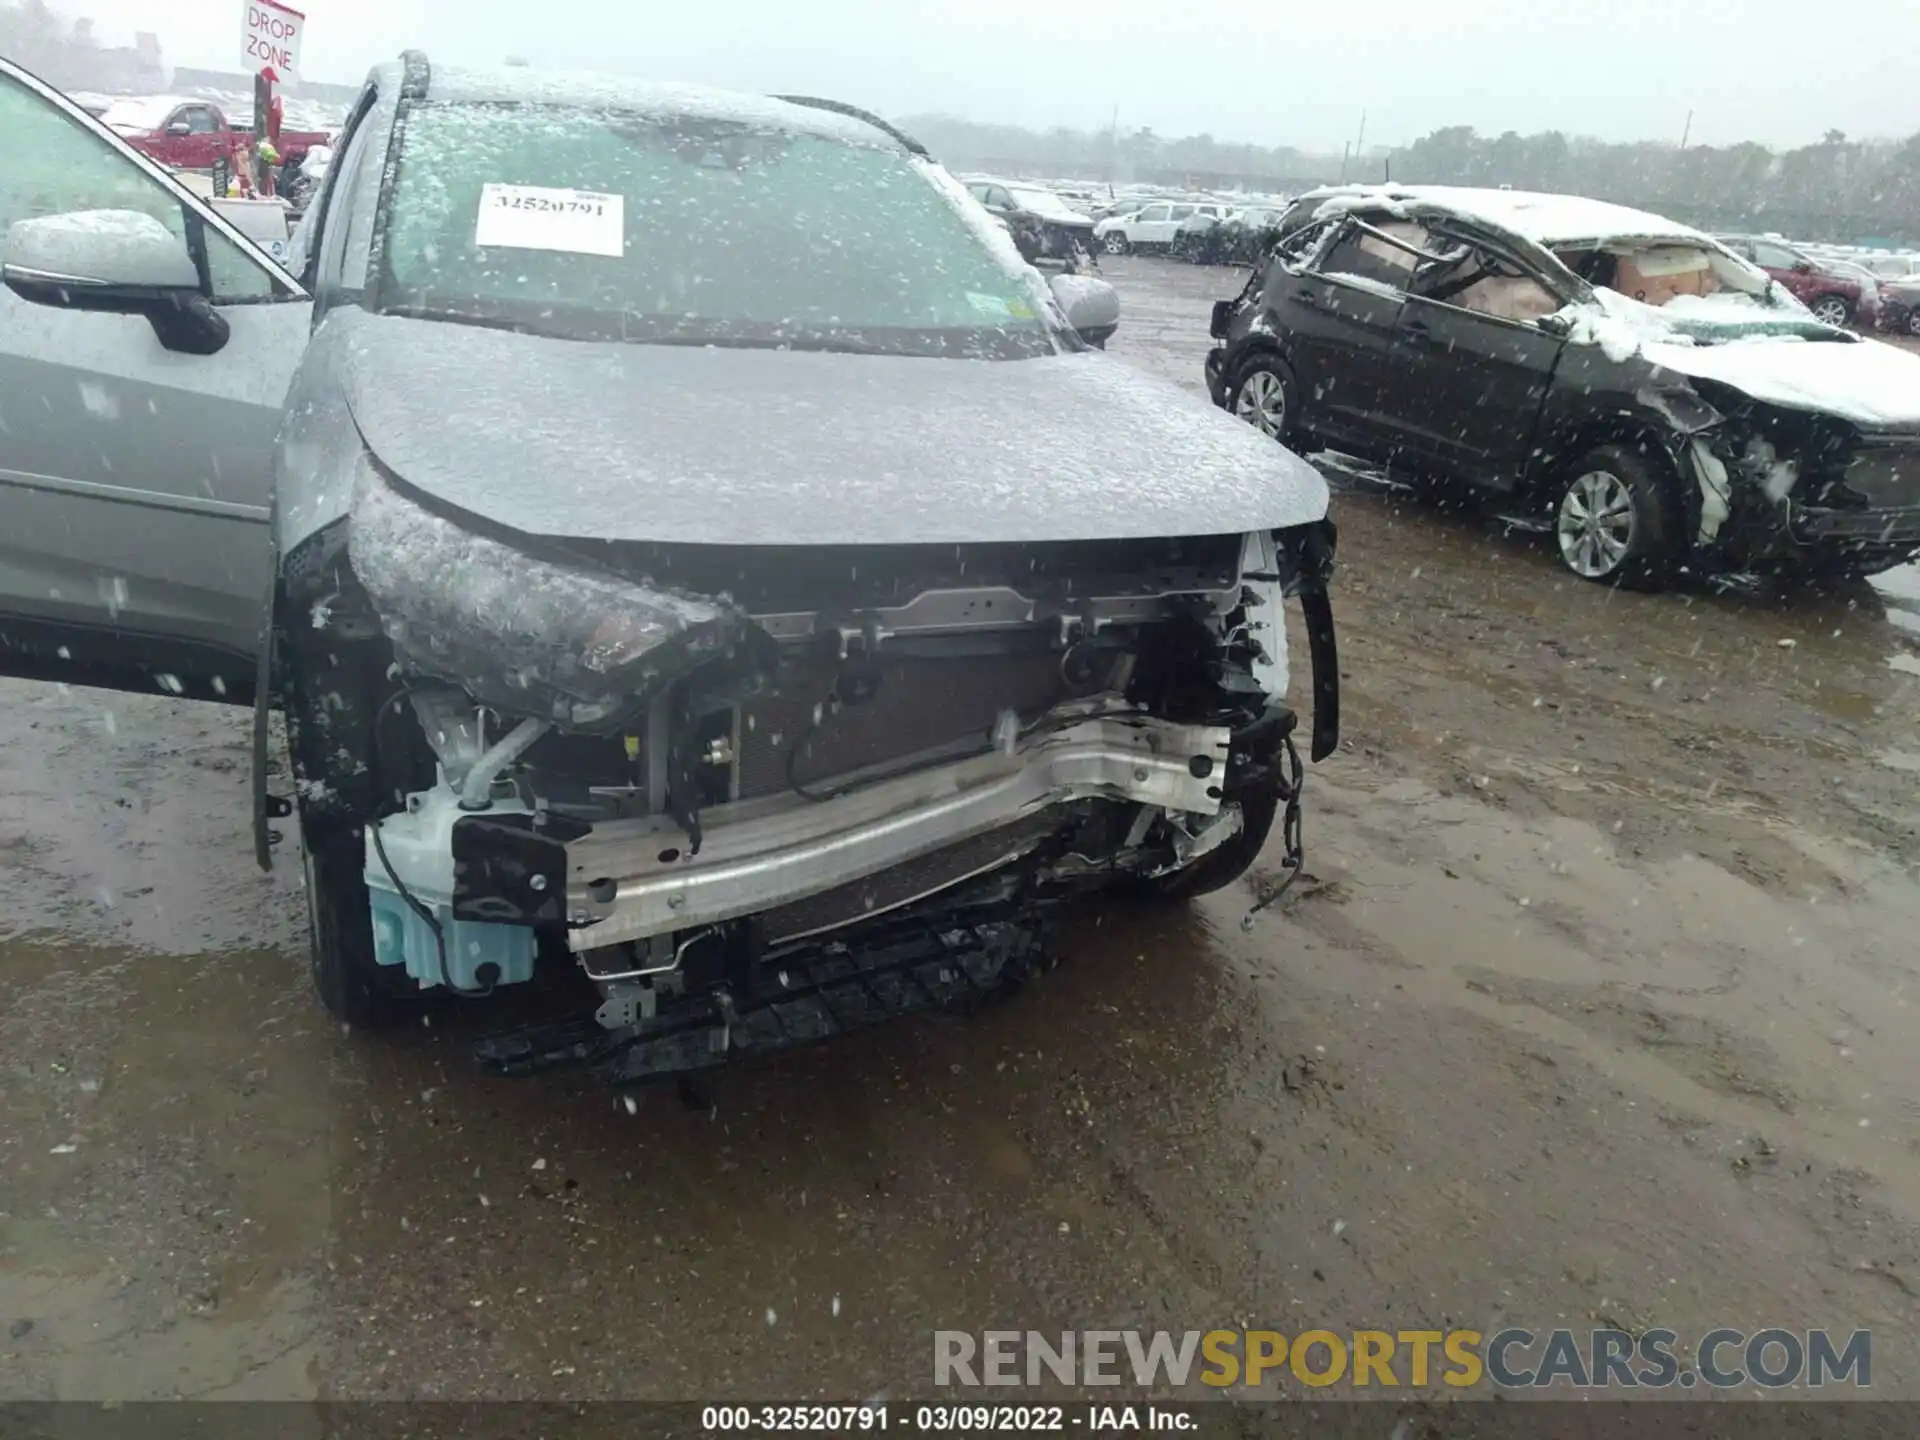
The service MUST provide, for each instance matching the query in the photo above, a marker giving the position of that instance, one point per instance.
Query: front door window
(1362, 255)
(50, 165)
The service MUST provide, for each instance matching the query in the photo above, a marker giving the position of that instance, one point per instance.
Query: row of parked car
(1206, 233)
(1865, 290)
(1843, 286)
(1049, 224)
(1871, 292)
(1665, 401)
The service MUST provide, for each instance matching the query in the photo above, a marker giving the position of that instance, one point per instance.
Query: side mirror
(1554, 324)
(122, 262)
(1221, 320)
(177, 128)
(1092, 306)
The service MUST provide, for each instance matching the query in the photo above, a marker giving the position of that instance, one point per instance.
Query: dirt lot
(1594, 1009)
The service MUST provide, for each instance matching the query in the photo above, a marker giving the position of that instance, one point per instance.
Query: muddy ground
(1594, 1008)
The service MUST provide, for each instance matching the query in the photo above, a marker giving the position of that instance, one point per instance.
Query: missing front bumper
(633, 879)
(628, 880)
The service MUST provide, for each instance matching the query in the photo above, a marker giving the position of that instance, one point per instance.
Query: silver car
(672, 525)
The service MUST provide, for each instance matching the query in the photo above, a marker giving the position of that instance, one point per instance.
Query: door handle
(1416, 331)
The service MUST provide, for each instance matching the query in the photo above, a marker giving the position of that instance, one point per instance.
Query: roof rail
(840, 107)
(414, 74)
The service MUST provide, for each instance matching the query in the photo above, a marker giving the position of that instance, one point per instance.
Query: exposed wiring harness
(1293, 852)
(793, 764)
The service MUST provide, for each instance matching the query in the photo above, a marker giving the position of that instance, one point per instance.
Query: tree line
(61, 52)
(1836, 189)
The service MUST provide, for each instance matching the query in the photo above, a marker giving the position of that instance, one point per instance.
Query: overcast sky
(1300, 73)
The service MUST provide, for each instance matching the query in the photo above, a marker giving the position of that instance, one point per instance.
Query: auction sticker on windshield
(534, 217)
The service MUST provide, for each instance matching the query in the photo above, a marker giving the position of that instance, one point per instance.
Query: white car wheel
(1832, 309)
(1262, 403)
(1595, 524)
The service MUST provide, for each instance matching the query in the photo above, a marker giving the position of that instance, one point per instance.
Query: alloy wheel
(1262, 403)
(1831, 309)
(1595, 525)
(1116, 243)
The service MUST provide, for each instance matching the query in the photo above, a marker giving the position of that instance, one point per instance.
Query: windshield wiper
(484, 321)
(466, 317)
(760, 342)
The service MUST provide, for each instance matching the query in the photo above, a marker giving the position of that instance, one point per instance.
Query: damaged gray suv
(711, 582)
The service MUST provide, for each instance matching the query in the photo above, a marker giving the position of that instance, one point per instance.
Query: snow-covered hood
(764, 447)
(1874, 385)
(1724, 338)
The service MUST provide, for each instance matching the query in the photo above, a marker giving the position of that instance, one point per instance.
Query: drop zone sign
(270, 37)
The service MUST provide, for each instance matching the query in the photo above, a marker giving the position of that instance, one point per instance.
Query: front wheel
(355, 988)
(1260, 392)
(1114, 242)
(1616, 522)
(1833, 309)
(1913, 322)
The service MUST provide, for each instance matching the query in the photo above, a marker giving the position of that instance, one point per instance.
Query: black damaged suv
(1664, 403)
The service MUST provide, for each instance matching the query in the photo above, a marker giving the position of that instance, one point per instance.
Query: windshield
(1717, 319)
(589, 224)
(1656, 272)
(1699, 290)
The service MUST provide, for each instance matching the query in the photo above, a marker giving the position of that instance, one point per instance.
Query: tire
(1615, 520)
(1114, 242)
(355, 988)
(1913, 322)
(1220, 868)
(1260, 391)
(1834, 309)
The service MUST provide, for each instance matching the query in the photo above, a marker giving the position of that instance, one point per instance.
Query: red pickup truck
(190, 134)
(1835, 296)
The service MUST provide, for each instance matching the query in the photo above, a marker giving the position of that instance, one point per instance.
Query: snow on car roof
(143, 112)
(1044, 202)
(1545, 219)
(647, 97)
